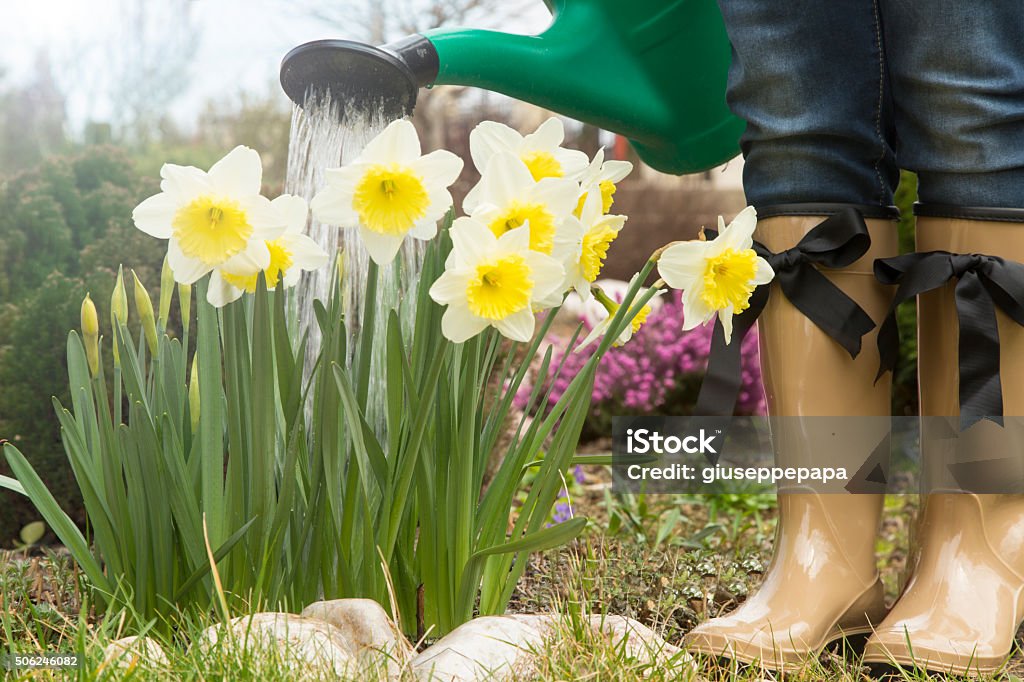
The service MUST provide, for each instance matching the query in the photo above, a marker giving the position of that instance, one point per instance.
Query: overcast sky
(240, 46)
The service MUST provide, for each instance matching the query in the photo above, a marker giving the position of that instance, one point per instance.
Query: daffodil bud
(118, 311)
(611, 306)
(193, 393)
(144, 305)
(185, 303)
(166, 292)
(119, 300)
(91, 334)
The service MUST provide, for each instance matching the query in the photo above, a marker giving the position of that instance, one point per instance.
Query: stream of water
(319, 140)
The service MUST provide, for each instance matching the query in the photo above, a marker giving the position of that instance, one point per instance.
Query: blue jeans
(840, 94)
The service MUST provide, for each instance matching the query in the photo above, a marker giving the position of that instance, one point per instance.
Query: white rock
(637, 640)
(368, 632)
(308, 646)
(643, 644)
(494, 648)
(134, 652)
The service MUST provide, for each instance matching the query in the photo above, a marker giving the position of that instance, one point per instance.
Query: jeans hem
(1002, 215)
(827, 209)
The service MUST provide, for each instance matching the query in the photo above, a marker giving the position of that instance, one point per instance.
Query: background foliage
(65, 225)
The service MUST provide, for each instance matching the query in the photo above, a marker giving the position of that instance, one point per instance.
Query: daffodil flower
(290, 254)
(492, 281)
(583, 244)
(389, 191)
(540, 150)
(612, 307)
(211, 217)
(717, 277)
(601, 176)
(509, 198)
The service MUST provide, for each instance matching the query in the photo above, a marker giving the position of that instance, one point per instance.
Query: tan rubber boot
(823, 582)
(962, 606)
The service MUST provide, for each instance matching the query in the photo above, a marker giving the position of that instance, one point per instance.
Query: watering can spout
(360, 77)
(652, 71)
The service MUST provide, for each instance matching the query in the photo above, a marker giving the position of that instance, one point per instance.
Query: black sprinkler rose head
(361, 77)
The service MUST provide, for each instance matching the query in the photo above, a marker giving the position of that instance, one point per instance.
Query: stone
(503, 648)
(134, 652)
(309, 647)
(369, 633)
(638, 640)
(493, 648)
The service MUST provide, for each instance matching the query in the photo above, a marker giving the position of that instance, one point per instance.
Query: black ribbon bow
(836, 242)
(982, 283)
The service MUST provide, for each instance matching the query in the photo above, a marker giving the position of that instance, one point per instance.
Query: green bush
(904, 379)
(65, 225)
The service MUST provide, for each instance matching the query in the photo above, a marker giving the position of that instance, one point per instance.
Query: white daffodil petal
(381, 247)
(253, 258)
(572, 161)
(488, 138)
(440, 203)
(515, 241)
(458, 324)
(424, 229)
(725, 317)
(450, 286)
(764, 272)
(239, 173)
(616, 171)
(266, 221)
(220, 293)
(738, 235)
(554, 298)
(471, 238)
(612, 222)
(682, 264)
(334, 207)
(547, 136)
(592, 173)
(346, 178)
(294, 212)
(184, 183)
(306, 254)
(291, 277)
(439, 168)
(186, 270)
(471, 202)
(597, 332)
(518, 326)
(155, 215)
(695, 311)
(558, 194)
(570, 235)
(506, 178)
(547, 274)
(398, 143)
(592, 206)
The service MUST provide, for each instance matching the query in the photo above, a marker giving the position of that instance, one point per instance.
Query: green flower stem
(364, 352)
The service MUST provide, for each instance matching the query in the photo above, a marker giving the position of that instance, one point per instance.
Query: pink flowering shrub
(658, 372)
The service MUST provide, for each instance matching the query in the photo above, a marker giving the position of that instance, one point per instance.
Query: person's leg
(822, 583)
(809, 79)
(958, 84)
(957, 76)
(964, 601)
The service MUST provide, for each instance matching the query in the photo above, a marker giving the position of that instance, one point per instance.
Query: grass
(626, 564)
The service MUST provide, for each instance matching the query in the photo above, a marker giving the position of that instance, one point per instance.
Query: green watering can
(651, 70)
